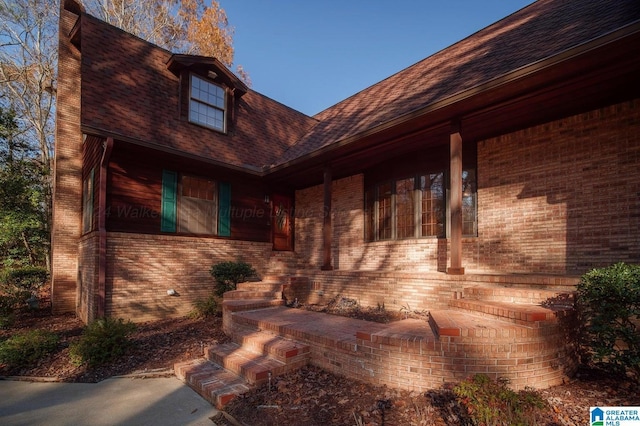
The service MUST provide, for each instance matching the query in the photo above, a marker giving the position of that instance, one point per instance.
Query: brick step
(523, 314)
(309, 327)
(254, 368)
(252, 294)
(265, 343)
(264, 285)
(406, 334)
(472, 327)
(211, 381)
(516, 295)
(237, 305)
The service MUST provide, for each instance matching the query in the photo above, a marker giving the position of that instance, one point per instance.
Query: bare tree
(28, 60)
(181, 26)
(185, 26)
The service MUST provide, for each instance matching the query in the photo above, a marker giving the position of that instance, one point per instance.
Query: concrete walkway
(116, 401)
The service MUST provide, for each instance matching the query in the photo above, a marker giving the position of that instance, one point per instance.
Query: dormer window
(207, 104)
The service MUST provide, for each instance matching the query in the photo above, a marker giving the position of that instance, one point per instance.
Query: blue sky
(310, 54)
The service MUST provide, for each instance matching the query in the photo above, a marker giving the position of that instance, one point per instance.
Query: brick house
(509, 157)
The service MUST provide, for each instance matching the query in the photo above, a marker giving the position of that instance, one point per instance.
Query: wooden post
(101, 293)
(327, 229)
(455, 202)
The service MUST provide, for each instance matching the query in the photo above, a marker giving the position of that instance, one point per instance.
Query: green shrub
(24, 349)
(8, 304)
(20, 286)
(209, 307)
(28, 278)
(229, 274)
(491, 402)
(102, 341)
(608, 305)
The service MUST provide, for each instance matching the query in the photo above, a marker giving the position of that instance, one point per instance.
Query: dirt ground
(307, 397)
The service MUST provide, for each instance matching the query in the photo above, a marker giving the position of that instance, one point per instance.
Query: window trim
(208, 105)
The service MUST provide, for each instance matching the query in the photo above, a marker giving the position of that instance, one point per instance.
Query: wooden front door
(282, 222)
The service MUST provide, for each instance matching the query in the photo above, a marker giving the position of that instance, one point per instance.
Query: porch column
(327, 229)
(455, 201)
(101, 294)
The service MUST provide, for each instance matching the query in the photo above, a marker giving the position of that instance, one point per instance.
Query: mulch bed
(309, 396)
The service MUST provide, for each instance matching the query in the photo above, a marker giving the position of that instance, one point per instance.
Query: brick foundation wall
(141, 268)
(396, 291)
(87, 277)
(559, 198)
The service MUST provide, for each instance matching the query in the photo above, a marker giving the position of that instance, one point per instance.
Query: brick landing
(481, 331)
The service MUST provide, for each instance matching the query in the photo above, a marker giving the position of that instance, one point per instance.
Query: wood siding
(135, 189)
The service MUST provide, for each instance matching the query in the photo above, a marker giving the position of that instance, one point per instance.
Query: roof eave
(177, 62)
(245, 168)
(492, 84)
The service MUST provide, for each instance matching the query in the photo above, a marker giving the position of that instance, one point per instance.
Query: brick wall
(67, 174)
(414, 291)
(87, 277)
(562, 197)
(349, 251)
(558, 198)
(141, 268)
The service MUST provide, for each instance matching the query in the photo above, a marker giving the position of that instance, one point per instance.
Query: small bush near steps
(229, 274)
(25, 349)
(608, 305)
(102, 341)
(492, 403)
(205, 308)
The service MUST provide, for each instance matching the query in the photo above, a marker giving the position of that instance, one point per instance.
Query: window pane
(469, 204)
(384, 211)
(197, 207)
(207, 105)
(405, 226)
(369, 215)
(433, 206)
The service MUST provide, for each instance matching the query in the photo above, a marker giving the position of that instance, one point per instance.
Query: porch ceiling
(579, 81)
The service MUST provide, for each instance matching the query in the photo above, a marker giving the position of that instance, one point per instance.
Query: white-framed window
(207, 104)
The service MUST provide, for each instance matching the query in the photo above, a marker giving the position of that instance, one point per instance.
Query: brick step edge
(265, 343)
(254, 368)
(215, 384)
(477, 327)
(523, 314)
(275, 285)
(237, 305)
(518, 295)
(252, 294)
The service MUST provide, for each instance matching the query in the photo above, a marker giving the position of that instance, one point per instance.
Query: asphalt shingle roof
(538, 31)
(128, 90)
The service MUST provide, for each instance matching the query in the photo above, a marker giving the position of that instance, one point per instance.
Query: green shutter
(224, 210)
(169, 201)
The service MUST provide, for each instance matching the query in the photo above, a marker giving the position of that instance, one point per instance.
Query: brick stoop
(498, 330)
(253, 357)
(508, 331)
